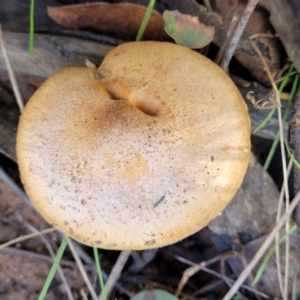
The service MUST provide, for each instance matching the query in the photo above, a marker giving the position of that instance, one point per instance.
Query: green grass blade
(145, 20)
(291, 155)
(271, 152)
(96, 256)
(284, 119)
(53, 268)
(264, 263)
(265, 120)
(31, 29)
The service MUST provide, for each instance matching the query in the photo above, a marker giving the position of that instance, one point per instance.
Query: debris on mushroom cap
(138, 154)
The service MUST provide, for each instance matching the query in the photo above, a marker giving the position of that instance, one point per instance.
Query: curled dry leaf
(121, 20)
(186, 30)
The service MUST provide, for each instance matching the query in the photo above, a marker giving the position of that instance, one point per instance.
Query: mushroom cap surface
(138, 154)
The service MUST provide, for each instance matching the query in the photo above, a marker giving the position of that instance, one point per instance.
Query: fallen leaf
(121, 20)
(186, 30)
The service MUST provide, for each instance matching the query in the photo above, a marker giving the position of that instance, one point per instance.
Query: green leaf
(154, 295)
(186, 30)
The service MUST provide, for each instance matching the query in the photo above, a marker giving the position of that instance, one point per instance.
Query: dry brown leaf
(121, 20)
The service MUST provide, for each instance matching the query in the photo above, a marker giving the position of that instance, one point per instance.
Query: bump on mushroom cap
(139, 154)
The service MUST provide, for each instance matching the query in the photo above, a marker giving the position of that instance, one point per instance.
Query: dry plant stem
(82, 270)
(26, 237)
(237, 34)
(115, 272)
(277, 249)
(14, 187)
(250, 289)
(189, 272)
(52, 255)
(11, 74)
(199, 267)
(263, 248)
(284, 167)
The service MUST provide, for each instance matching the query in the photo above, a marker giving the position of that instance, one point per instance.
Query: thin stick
(26, 237)
(189, 272)
(203, 266)
(243, 276)
(225, 278)
(115, 272)
(237, 34)
(11, 74)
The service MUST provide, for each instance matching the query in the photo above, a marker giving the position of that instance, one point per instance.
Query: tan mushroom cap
(138, 154)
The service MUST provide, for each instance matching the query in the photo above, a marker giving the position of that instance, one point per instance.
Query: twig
(226, 279)
(115, 272)
(237, 34)
(207, 270)
(26, 237)
(11, 74)
(243, 276)
(189, 272)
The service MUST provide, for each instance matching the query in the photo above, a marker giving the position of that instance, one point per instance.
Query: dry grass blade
(115, 272)
(203, 267)
(82, 270)
(263, 248)
(279, 211)
(26, 237)
(189, 272)
(11, 74)
(284, 165)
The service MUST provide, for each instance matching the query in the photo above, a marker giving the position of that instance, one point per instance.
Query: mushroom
(138, 154)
